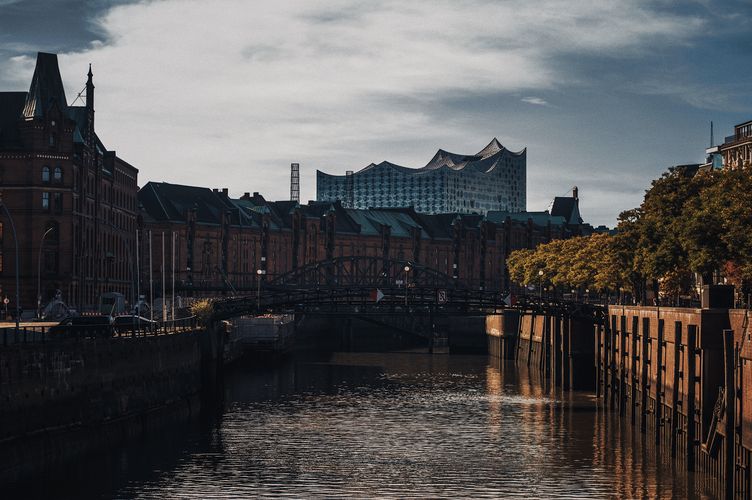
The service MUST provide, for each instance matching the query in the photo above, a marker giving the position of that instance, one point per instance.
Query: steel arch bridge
(373, 286)
(361, 271)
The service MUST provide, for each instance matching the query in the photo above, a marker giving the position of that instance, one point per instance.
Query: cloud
(535, 100)
(188, 88)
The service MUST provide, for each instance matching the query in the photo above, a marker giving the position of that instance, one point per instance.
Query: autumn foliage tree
(689, 222)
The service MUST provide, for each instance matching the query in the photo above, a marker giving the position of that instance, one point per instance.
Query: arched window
(45, 174)
(58, 174)
(46, 201)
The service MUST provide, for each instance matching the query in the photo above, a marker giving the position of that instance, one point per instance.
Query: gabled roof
(566, 207)
(172, 202)
(46, 88)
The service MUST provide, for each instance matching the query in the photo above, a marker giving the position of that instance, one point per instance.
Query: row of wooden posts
(678, 374)
(655, 378)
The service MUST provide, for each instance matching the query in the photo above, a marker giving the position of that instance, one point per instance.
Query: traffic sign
(441, 297)
(6, 301)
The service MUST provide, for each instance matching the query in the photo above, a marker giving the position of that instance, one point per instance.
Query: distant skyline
(606, 94)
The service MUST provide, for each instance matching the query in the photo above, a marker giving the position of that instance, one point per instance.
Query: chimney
(246, 195)
(225, 192)
(575, 193)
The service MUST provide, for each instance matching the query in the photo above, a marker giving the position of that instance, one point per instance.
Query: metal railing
(58, 333)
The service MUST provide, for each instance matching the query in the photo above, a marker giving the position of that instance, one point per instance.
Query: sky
(604, 94)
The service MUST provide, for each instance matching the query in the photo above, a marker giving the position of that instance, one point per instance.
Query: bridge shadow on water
(377, 416)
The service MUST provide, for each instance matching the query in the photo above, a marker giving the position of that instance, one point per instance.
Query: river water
(355, 425)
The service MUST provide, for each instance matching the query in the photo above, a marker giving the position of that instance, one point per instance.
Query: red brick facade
(56, 175)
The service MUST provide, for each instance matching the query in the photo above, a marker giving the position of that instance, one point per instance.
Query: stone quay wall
(61, 399)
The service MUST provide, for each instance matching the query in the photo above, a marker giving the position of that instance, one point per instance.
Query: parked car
(132, 322)
(99, 326)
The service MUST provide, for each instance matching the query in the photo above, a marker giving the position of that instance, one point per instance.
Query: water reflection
(390, 425)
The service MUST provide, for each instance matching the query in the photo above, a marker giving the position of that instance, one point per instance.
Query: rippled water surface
(386, 425)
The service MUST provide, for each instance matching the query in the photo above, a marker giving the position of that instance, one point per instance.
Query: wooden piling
(645, 371)
(566, 354)
(598, 337)
(622, 370)
(675, 420)
(530, 341)
(729, 359)
(659, 368)
(691, 377)
(612, 361)
(633, 370)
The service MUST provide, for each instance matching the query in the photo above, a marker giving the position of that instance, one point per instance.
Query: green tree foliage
(688, 222)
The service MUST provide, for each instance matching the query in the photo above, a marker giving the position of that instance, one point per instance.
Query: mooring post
(612, 361)
(675, 420)
(565, 354)
(557, 351)
(659, 383)
(598, 336)
(633, 369)
(644, 382)
(691, 377)
(729, 358)
(543, 358)
(520, 317)
(622, 365)
(531, 340)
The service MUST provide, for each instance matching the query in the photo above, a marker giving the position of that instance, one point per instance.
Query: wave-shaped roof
(484, 161)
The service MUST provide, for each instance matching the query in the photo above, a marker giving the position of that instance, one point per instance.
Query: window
(46, 201)
(58, 202)
(58, 175)
(45, 174)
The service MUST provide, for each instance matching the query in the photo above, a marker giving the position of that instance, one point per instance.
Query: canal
(406, 424)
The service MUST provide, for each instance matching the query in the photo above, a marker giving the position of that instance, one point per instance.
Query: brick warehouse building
(72, 200)
(221, 240)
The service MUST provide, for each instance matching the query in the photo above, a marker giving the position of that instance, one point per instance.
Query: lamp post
(407, 280)
(39, 273)
(18, 280)
(259, 273)
(540, 284)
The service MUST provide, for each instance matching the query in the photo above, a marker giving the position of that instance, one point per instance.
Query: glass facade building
(492, 179)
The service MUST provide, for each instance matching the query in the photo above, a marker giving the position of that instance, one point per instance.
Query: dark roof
(172, 202)
(537, 218)
(567, 207)
(11, 106)
(46, 87)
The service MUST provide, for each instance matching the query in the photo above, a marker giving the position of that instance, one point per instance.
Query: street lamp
(540, 284)
(18, 281)
(39, 273)
(259, 273)
(407, 276)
